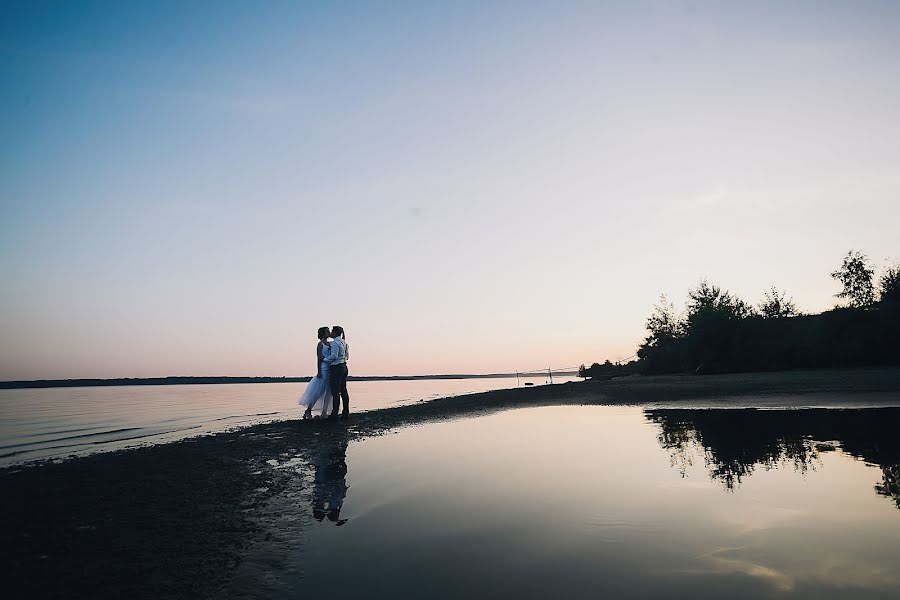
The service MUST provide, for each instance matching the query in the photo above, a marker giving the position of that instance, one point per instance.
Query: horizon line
(214, 379)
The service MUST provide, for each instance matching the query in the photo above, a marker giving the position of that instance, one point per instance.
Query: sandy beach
(192, 518)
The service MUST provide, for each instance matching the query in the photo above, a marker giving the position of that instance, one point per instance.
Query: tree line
(718, 332)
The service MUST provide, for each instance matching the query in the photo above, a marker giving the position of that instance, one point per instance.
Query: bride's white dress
(318, 394)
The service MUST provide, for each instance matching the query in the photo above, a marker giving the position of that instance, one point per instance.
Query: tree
(664, 324)
(661, 351)
(711, 327)
(607, 370)
(889, 287)
(855, 276)
(776, 305)
(706, 300)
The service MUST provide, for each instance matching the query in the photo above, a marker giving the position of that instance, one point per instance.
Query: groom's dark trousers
(337, 379)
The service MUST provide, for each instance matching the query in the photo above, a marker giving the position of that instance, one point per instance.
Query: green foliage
(713, 315)
(664, 324)
(607, 370)
(700, 338)
(843, 337)
(855, 275)
(776, 305)
(889, 288)
(707, 300)
(719, 332)
(661, 349)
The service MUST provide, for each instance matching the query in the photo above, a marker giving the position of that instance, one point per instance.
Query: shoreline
(177, 519)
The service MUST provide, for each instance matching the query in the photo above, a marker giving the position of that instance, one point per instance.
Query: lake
(594, 502)
(60, 422)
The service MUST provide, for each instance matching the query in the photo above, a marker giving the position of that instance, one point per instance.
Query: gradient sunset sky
(464, 186)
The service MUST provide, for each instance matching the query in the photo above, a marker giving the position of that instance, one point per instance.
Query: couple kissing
(325, 392)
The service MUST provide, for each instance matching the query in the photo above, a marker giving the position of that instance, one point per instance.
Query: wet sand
(194, 519)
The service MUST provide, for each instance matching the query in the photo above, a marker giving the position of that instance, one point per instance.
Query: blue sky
(464, 186)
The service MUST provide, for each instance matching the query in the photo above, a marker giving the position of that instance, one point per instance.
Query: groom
(337, 378)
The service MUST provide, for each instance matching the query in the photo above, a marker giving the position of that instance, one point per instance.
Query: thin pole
(517, 379)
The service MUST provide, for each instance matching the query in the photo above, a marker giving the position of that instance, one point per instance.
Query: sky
(193, 188)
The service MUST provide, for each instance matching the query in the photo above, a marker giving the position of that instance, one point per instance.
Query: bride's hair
(337, 330)
(322, 333)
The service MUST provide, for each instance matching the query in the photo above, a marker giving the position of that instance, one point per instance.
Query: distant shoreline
(189, 380)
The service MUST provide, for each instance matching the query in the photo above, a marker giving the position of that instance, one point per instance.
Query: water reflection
(329, 490)
(734, 443)
(581, 502)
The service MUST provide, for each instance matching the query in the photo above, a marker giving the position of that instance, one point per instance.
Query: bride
(318, 393)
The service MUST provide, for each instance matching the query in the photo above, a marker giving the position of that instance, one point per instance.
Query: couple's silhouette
(328, 389)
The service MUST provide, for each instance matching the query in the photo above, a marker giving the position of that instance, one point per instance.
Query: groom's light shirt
(338, 353)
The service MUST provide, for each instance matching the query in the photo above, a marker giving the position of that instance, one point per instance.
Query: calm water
(48, 423)
(592, 502)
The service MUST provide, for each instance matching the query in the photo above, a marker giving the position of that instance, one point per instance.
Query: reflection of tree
(890, 485)
(736, 442)
(733, 442)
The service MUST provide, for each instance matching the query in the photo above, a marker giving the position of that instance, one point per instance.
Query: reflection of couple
(330, 486)
(329, 386)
